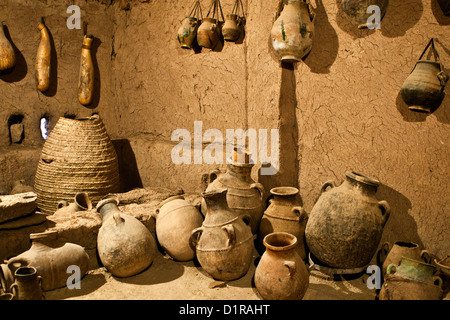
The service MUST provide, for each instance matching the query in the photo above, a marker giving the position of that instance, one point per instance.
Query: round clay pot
(208, 33)
(281, 273)
(231, 29)
(175, 220)
(27, 284)
(187, 32)
(356, 10)
(402, 249)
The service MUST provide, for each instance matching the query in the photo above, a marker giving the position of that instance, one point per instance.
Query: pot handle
(195, 236)
(437, 281)
(247, 219)
(383, 252)
(290, 265)
(326, 185)
(300, 212)
(14, 290)
(259, 187)
(213, 175)
(443, 78)
(40, 286)
(117, 218)
(385, 210)
(62, 203)
(231, 234)
(390, 267)
(426, 256)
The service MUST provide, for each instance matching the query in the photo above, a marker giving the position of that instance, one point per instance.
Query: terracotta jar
(285, 214)
(402, 249)
(224, 243)
(244, 196)
(423, 89)
(49, 258)
(293, 32)
(411, 280)
(175, 220)
(356, 11)
(27, 284)
(125, 246)
(445, 6)
(281, 273)
(346, 223)
(81, 202)
(7, 54)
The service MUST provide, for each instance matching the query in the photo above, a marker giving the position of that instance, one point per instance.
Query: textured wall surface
(337, 110)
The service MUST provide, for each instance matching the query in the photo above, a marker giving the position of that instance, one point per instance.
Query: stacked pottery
(359, 12)
(175, 220)
(281, 273)
(224, 243)
(50, 259)
(124, 244)
(399, 250)
(411, 280)
(346, 223)
(27, 284)
(285, 214)
(293, 32)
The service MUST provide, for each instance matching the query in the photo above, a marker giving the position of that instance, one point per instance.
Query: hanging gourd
(232, 27)
(423, 89)
(86, 79)
(360, 12)
(293, 32)
(187, 33)
(7, 54)
(208, 34)
(43, 59)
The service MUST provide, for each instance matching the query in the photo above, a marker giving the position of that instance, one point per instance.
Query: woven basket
(78, 156)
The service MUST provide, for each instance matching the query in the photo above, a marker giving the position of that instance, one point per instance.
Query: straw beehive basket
(78, 156)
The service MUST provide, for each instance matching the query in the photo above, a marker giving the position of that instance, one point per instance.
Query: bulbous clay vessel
(356, 11)
(86, 78)
(176, 218)
(187, 32)
(285, 214)
(125, 246)
(224, 243)
(43, 57)
(27, 284)
(231, 29)
(293, 32)
(7, 54)
(402, 249)
(81, 202)
(50, 259)
(346, 223)
(208, 34)
(281, 273)
(244, 196)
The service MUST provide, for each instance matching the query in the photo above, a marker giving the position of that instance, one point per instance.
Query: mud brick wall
(338, 110)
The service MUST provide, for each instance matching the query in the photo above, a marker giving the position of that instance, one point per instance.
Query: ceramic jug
(43, 57)
(7, 54)
(224, 243)
(285, 214)
(81, 202)
(27, 284)
(359, 13)
(281, 273)
(125, 246)
(402, 249)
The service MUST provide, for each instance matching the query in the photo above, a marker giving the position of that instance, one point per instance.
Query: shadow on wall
(439, 14)
(19, 71)
(128, 170)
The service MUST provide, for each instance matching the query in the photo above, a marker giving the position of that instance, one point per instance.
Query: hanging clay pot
(285, 214)
(224, 243)
(358, 11)
(187, 33)
(124, 244)
(346, 223)
(233, 24)
(27, 284)
(49, 258)
(292, 33)
(86, 78)
(445, 6)
(423, 89)
(175, 220)
(43, 57)
(80, 202)
(281, 273)
(402, 249)
(7, 54)
(208, 34)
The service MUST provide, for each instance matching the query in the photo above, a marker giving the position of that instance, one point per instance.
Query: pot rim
(406, 244)
(32, 270)
(101, 203)
(284, 191)
(290, 239)
(362, 178)
(171, 198)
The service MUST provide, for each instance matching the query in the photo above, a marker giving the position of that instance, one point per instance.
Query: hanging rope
(196, 11)
(215, 6)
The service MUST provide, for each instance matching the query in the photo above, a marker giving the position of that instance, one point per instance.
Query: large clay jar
(445, 6)
(81, 202)
(7, 54)
(281, 273)
(27, 284)
(80, 153)
(244, 196)
(125, 246)
(208, 34)
(49, 258)
(224, 243)
(411, 280)
(175, 220)
(423, 89)
(346, 223)
(285, 214)
(402, 249)
(356, 11)
(293, 32)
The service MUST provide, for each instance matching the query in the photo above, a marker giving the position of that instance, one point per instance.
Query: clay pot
(356, 10)
(285, 214)
(443, 271)
(293, 32)
(208, 34)
(7, 54)
(346, 223)
(445, 6)
(231, 29)
(50, 259)
(224, 243)
(423, 89)
(281, 273)
(27, 284)
(43, 57)
(81, 202)
(125, 246)
(175, 220)
(402, 249)
(244, 196)
(86, 78)
(187, 33)
(411, 280)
